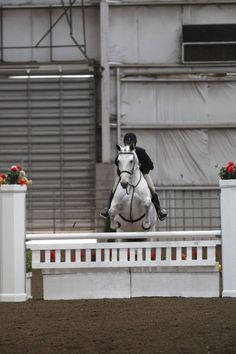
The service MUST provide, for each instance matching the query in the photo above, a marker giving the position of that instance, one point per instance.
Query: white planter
(228, 227)
(12, 243)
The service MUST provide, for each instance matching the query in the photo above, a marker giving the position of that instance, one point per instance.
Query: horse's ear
(132, 147)
(118, 147)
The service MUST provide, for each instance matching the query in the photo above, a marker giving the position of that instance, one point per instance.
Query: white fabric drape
(188, 156)
(191, 156)
(179, 103)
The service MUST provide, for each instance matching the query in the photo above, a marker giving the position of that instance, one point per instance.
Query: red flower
(153, 255)
(23, 181)
(19, 167)
(184, 256)
(52, 255)
(230, 168)
(230, 163)
(14, 168)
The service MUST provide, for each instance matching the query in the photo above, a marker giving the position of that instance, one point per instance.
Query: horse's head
(127, 163)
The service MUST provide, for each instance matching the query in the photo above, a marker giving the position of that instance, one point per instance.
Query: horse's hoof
(115, 226)
(146, 226)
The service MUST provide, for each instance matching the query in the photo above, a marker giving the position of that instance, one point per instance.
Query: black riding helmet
(130, 138)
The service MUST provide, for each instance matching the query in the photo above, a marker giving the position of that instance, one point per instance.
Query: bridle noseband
(130, 186)
(131, 172)
(127, 171)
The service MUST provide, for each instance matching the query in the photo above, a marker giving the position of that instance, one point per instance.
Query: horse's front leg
(147, 205)
(113, 211)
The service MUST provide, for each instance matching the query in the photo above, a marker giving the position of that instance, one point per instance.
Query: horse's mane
(126, 148)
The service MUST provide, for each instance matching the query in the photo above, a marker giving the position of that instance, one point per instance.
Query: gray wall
(180, 117)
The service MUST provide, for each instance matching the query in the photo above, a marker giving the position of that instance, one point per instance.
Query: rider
(146, 165)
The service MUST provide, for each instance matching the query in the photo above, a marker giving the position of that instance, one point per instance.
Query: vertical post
(12, 243)
(105, 81)
(118, 139)
(228, 227)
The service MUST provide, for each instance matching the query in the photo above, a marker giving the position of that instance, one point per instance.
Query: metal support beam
(105, 86)
(118, 106)
(69, 19)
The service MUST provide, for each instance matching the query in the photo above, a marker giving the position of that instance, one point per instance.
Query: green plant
(28, 261)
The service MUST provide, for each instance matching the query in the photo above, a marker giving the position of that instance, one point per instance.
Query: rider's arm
(145, 161)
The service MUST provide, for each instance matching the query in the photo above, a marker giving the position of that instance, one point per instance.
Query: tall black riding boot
(162, 214)
(104, 212)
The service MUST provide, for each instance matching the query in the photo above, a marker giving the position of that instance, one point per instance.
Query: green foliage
(12, 177)
(28, 261)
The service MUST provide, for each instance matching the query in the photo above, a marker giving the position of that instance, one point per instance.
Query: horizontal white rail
(74, 254)
(124, 235)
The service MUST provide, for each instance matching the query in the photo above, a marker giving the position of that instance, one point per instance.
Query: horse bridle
(127, 171)
(131, 220)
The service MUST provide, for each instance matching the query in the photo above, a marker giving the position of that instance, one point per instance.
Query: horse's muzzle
(124, 184)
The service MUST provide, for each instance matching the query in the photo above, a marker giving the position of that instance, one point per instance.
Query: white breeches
(150, 183)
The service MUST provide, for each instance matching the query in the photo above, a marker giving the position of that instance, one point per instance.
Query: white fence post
(228, 228)
(12, 243)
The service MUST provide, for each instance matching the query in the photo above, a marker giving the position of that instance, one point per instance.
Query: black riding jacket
(146, 163)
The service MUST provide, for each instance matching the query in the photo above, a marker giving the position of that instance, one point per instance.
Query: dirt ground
(137, 326)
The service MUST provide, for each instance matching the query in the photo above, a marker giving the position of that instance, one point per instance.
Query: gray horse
(131, 208)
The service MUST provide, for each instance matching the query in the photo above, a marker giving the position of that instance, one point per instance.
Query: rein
(131, 220)
(132, 170)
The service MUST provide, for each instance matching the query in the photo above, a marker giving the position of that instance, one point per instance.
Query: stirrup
(162, 214)
(104, 213)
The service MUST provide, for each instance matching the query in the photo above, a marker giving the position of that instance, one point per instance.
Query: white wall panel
(138, 103)
(93, 32)
(33, 2)
(25, 28)
(159, 33)
(180, 157)
(183, 157)
(17, 35)
(123, 34)
(222, 103)
(206, 14)
(178, 103)
(145, 34)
